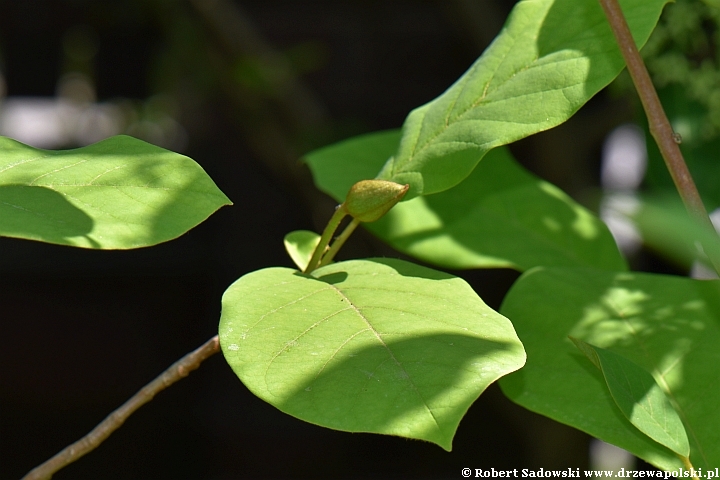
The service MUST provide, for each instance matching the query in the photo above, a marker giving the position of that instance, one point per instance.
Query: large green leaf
(666, 325)
(118, 193)
(551, 57)
(500, 216)
(376, 345)
(639, 397)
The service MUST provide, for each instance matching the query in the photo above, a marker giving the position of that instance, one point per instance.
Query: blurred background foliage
(246, 88)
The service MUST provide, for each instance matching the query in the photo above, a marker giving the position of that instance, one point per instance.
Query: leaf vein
(390, 353)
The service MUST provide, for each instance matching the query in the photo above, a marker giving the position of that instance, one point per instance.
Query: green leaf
(119, 193)
(377, 345)
(639, 397)
(337, 167)
(666, 325)
(666, 227)
(500, 216)
(550, 58)
(300, 245)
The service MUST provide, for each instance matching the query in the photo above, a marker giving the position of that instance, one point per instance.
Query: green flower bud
(368, 200)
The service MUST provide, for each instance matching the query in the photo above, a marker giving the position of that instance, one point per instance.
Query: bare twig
(92, 440)
(660, 127)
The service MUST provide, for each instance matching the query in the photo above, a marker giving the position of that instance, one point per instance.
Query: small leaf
(118, 193)
(639, 397)
(377, 345)
(550, 58)
(300, 245)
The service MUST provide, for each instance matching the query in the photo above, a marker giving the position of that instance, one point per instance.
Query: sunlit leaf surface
(666, 325)
(639, 398)
(300, 245)
(550, 58)
(119, 193)
(378, 345)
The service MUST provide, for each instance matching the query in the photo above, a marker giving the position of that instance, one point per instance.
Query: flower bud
(368, 200)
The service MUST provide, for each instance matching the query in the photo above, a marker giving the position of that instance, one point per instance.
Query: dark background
(254, 85)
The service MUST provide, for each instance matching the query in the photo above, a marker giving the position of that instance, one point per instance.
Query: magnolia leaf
(116, 194)
(665, 325)
(639, 397)
(376, 345)
(337, 167)
(500, 216)
(300, 245)
(667, 228)
(549, 59)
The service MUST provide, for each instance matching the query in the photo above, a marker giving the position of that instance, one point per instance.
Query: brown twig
(92, 440)
(660, 127)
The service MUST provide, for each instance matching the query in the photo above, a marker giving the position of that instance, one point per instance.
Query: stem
(327, 234)
(339, 242)
(660, 127)
(688, 466)
(92, 440)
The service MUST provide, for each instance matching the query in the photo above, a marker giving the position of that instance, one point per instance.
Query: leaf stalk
(339, 242)
(333, 224)
(688, 466)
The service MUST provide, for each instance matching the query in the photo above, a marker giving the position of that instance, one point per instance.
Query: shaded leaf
(666, 226)
(378, 345)
(118, 193)
(639, 397)
(666, 325)
(300, 245)
(500, 216)
(337, 167)
(549, 59)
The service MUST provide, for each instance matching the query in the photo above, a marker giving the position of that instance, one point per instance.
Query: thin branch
(660, 127)
(92, 440)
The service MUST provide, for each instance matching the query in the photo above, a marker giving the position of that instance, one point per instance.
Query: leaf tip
(587, 349)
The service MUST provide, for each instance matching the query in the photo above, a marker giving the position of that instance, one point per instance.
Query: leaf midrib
(477, 103)
(390, 353)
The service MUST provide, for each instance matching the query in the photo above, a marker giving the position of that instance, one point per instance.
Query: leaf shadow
(331, 278)
(666, 325)
(406, 269)
(39, 213)
(418, 387)
(151, 195)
